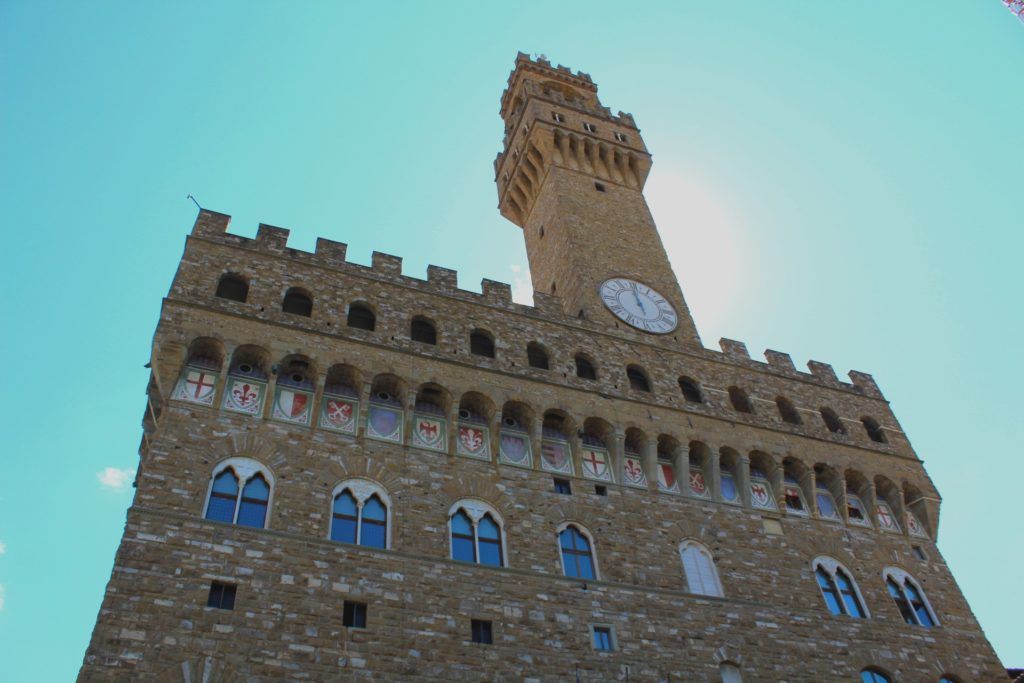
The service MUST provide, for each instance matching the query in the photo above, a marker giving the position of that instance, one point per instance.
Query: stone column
(649, 457)
(616, 451)
(743, 479)
(364, 409)
(714, 477)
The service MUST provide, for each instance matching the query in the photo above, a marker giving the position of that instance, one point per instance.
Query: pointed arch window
(909, 598)
(240, 493)
(874, 676)
(476, 534)
(838, 588)
(577, 554)
(359, 514)
(699, 568)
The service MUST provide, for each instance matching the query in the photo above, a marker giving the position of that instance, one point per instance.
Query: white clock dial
(638, 305)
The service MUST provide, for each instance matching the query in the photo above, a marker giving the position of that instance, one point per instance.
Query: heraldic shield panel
(761, 494)
(729, 492)
(515, 448)
(196, 385)
(914, 526)
(633, 471)
(430, 432)
(339, 414)
(474, 441)
(596, 463)
(555, 456)
(384, 423)
(698, 486)
(667, 477)
(292, 405)
(244, 395)
(886, 519)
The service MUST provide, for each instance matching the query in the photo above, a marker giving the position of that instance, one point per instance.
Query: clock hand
(639, 303)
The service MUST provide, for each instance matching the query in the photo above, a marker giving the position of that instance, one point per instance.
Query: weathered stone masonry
(292, 580)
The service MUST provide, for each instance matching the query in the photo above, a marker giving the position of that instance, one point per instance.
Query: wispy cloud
(2, 591)
(116, 479)
(522, 288)
(3, 548)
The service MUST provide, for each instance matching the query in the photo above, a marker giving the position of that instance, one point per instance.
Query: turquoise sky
(839, 180)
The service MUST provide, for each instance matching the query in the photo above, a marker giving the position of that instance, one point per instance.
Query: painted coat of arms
(633, 471)
(886, 519)
(595, 464)
(915, 527)
(339, 414)
(667, 478)
(554, 456)
(292, 406)
(430, 432)
(244, 396)
(515, 448)
(760, 496)
(698, 486)
(474, 442)
(196, 386)
(384, 423)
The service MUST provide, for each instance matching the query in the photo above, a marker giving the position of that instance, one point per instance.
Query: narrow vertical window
(489, 541)
(344, 527)
(481, 631)
(699, 567)
(222, 595)
(604, 640)
(577, 560)
(255, 497)
(838, 588)
(850, 600)
(353, 614)
(902, 604)
(373, 528)
(463, 545)
(223, 497)
(828, 591)
(909, 598)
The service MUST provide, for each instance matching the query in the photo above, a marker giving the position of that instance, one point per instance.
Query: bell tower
(571, 175)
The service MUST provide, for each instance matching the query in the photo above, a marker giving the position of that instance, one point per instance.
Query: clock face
(638, 305)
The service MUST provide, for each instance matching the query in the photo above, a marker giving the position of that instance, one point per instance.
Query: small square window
(919, 553)
(620, 137)
(563, 486)
(354, 614)
(590, 128)
(222, 595)
(481, 631)
(557, 117)
(600, 490)
(599, 187)
(604, 638)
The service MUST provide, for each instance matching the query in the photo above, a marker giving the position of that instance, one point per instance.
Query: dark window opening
(542, 232)
(740, 401)
(585, 369)
(590, 128)
(563, 486)
(537, 356)
(600, 490)
(832, 421)
(297, 302)
(222, 595)
(422, 330)
(919, 553)
(361, 317)
(481, 631)
(481, 344)
(233, 287)
(637, 379)
(787, 410)
(354, 614)
(873, 429)
(691, 392)
(599, 187)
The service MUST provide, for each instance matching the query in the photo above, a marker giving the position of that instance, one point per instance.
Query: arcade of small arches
(360, 315)
(241, 491)
(383, 408)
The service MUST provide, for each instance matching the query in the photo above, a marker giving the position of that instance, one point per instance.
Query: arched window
(361, 317)
(637, 378)
(481, 343)
(584, 368)
(874, 676)
(297, 302)
(873, 429)
(537, 356)
(730, 673)
(947, 678)
(577, 556)
(838, 588)
(787, 411)
(699, 567)
(909, 598)
(233, 287)
(359, 514)
(761, 493)
(740, 401)
(476, 533)
(826, 502)
(691, 390)
(239, 493)
(832, 421)
(422, 330)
